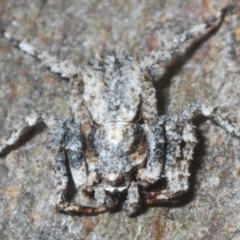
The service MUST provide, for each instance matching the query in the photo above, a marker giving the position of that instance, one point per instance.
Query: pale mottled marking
(116, 143)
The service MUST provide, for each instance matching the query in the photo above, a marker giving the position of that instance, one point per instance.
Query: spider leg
(173, 55)
(103, 203)
(70, 166)
(156, 144)
(180, 142)
(74, 151)
(65, 68)
(73, 208)
(215, 114)
(149, 101)
(80, 113)
(177, 46)
(132, 204)
(201, 29)
(20, 132)
(23, 129)
(67, 146)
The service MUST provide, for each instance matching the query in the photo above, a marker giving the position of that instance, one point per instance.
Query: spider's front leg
(180, 142)
(173, 145)
(68, 148)
(156, 154)
(70, 166)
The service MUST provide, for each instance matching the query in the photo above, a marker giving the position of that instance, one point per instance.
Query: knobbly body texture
(76, 30)
(116, 144)
(132, 187)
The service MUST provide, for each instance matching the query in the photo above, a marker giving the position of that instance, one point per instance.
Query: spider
(116, 143)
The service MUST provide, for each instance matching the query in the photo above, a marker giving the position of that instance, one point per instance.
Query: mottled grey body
(116, 143)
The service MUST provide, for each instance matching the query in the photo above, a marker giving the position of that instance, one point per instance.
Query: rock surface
(77, 30)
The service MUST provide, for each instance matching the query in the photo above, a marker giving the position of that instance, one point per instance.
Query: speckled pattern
(76, 30)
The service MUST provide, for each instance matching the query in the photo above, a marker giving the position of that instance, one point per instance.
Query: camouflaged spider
(115, 142)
